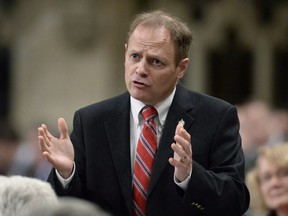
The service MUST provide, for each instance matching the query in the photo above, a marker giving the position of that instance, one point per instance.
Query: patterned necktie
(146, 150)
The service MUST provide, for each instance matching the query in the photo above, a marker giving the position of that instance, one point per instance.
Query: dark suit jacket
(103, 165)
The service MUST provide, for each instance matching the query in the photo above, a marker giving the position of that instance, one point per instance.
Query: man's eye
(157, 62)
(134, 56)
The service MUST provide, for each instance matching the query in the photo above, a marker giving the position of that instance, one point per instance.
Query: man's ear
(126, 46)
(182, 67)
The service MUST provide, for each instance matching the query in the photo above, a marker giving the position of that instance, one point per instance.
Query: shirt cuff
(65, 182)
(184, 184)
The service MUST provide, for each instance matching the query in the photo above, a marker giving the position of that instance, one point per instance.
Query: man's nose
(142, 67)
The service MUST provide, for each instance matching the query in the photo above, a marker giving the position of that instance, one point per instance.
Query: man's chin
(137, 93)
(138, 97)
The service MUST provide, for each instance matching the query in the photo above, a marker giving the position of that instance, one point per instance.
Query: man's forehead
(150, 37)
(151, 31)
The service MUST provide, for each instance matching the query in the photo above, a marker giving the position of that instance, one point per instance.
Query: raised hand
(58, 151)
(182, 159)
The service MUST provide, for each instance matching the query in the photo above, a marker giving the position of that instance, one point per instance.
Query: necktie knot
(148, 112)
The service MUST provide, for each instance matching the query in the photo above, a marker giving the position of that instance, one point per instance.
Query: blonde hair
(279, 155)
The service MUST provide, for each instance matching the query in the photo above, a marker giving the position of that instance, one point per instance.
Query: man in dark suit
(199, 165)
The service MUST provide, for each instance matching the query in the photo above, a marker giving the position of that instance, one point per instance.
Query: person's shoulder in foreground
(19, 194)
(69, 206)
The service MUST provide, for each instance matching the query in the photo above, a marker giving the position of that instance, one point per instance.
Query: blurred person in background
(28, 159)
(21, 156)
(278, 126)
(260, 125)
(9, 143)
(253, 117)
(268, 182)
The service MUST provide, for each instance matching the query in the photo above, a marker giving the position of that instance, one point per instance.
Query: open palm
(58, 151)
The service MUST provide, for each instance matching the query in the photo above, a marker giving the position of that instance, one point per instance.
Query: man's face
(150, 69)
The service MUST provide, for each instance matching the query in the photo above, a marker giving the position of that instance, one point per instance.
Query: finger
(42, 136)
(178, 128)
(47, 135)
(185, 134)
(44, 131)
(40, 132)
(175, 163)
(178, 150)
(184, 140)
(48, 157)
(185, 144)
(181, 133)
(63, 128)
(179, 163)
(43, 146)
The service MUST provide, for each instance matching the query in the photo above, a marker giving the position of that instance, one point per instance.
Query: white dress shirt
(137, 122)
(136, 125)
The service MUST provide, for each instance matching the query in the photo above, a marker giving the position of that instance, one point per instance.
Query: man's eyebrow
(150, 55)
(133, 51)
(159, 57)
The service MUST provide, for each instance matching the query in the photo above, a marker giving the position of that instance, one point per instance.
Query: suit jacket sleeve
(217, 184)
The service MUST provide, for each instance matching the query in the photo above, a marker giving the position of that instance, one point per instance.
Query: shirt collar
(162, 108)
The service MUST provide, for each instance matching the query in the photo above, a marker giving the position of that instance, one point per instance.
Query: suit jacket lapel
(118, 132)
(180, 109)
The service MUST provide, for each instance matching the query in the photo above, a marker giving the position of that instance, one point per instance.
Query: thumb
(63, 128)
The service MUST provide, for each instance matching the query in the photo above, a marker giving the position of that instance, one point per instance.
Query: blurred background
(58, 56)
